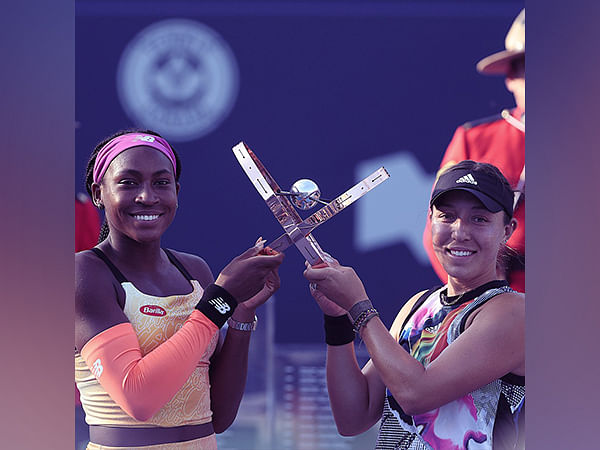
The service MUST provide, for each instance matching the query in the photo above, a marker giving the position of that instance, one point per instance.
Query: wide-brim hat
(499, 63)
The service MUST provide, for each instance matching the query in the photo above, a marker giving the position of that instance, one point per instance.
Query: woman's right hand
(327, 306)
(337, 283)
(246, 274)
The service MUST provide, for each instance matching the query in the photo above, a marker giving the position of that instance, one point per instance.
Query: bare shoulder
(411, 302)
(508, 302)
(403, 313)
(92, 277)
(408, 306)
(97, 298)
(499, 325)
(196, 266)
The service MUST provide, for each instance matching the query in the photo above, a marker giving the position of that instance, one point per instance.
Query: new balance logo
(220, 305)
(97, 368)
(144, 138)
(467, 179)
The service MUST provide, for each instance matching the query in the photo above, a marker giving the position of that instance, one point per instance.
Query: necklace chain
(445, 302)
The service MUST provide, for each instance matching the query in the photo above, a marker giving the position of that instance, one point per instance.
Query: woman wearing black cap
(450, 372)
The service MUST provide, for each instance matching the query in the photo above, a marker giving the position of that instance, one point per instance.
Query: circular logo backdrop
(178, 77)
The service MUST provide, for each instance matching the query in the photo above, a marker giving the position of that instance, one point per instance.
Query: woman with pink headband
(152, 368)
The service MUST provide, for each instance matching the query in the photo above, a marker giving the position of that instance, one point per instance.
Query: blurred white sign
(396, 211)
(178, 77)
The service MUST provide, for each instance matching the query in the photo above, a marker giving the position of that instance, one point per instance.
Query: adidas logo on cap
(467, 179)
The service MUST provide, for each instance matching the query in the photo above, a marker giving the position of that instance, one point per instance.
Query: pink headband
(127, 141)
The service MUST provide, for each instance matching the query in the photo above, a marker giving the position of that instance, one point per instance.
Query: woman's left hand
(245, 311)
(271, 285)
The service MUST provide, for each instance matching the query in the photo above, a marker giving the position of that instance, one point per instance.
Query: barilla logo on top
(467, 179)
(153, 310)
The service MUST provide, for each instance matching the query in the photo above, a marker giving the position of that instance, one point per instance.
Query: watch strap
(242, 326)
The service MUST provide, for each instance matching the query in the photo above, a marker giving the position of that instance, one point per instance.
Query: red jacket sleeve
(87, 224)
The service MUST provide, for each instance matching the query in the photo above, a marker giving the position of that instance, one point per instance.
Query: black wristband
(217, 304)
(338, 330)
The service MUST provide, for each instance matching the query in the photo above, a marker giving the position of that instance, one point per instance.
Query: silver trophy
(305, 194)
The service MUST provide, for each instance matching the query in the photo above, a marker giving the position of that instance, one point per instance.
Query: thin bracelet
(359, 308)
(364, 318)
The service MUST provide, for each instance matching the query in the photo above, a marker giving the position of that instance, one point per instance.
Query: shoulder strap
(481, 300)
(418, 304)
(116, 272)
(477, 122)
(178, 264)
(516, 380)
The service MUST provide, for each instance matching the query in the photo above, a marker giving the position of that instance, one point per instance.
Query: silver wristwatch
(242, 326)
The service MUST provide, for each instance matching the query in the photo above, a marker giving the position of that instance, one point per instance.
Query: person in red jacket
(87, 223)
(498, 140)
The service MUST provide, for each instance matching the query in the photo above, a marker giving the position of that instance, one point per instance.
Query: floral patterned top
(491, 417)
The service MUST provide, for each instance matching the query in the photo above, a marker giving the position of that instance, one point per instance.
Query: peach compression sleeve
(141, 385)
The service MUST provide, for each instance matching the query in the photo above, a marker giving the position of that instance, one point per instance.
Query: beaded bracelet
(358, 308)
(338, 330)
(364, 317)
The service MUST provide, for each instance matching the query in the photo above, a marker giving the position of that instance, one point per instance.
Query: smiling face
(466, 239)
(139, 194)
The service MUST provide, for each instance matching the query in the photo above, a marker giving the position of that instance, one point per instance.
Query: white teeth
(146, 217)
(460, 252)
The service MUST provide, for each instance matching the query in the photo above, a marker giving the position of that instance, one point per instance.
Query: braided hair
(89, 171)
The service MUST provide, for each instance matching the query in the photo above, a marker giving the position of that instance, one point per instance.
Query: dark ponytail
(507, 257)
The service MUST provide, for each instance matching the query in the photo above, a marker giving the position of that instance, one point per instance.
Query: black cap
(486, 183)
